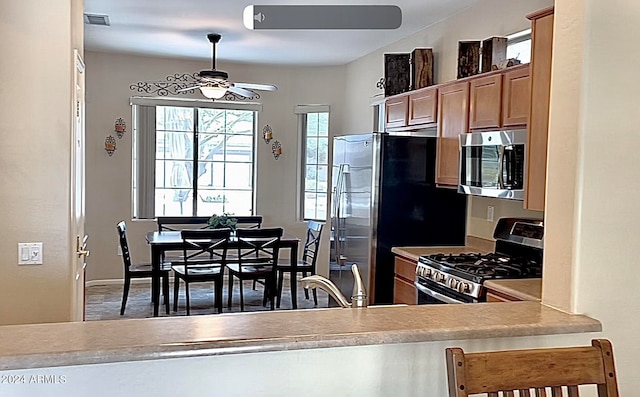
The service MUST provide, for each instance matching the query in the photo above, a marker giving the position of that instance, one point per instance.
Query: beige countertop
(525, 289)
(62, 344)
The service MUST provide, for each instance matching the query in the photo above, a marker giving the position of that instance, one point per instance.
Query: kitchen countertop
(525, 289)
(63, 344)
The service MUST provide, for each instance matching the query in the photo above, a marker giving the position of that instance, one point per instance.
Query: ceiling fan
(214, 84)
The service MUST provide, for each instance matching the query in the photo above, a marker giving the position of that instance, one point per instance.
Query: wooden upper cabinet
(541, 51)
(516, 95)
(396, 111)
(423, 107)
(485, 104)
(453, 109)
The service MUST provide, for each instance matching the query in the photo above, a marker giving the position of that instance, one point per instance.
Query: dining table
(163, 241)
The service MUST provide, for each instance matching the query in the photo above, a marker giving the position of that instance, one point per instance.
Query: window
(519, 46)
(314, 128)
(193, 160)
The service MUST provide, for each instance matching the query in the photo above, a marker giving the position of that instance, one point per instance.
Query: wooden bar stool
(553, 372)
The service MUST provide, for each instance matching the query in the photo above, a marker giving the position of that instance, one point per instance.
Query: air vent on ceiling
(96, 19)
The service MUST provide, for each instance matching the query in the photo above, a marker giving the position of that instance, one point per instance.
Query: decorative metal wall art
(267, 134)
(179, 84)
(276, 149)
(120, 127)
(171, 85)
(110, 145)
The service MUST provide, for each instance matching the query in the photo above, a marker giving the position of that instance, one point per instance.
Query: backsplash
(478, 207)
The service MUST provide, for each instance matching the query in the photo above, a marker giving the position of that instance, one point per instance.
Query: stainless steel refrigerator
(384, 195)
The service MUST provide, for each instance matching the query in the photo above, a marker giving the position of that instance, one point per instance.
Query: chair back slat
(121, 227)
(178, 223)
(554, 368)
(248, 222)
(573, 391)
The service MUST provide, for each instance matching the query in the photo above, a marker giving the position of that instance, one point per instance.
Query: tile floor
(103, 301)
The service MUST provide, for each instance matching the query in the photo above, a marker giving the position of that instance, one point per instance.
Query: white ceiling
(178, 29)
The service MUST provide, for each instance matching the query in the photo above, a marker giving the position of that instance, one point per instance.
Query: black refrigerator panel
(411, 210)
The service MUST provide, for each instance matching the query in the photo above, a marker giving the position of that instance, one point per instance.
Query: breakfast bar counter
(68, 344)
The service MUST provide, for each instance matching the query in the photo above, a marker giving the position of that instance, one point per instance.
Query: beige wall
(35, 125)
(109, 178)
(593, 189)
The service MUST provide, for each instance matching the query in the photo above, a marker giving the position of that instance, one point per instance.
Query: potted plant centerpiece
(222, 221)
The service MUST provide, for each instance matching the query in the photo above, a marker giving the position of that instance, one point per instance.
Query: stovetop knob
(463, 287)
(439, 277)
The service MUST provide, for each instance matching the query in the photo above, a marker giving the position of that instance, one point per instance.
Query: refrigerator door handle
(338, 234)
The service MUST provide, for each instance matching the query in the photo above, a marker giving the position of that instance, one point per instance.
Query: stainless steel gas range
(459, 278)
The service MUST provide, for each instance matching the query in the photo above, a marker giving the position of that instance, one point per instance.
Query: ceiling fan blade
(241, 91)
(256, 86)
(188, 88)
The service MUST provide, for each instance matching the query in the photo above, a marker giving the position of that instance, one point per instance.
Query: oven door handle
(435, 295)
(501, 183)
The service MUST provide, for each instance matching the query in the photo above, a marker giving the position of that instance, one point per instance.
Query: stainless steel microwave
(492, 164)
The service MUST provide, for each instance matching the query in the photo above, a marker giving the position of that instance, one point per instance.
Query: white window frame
(143, 196)
(519, 37)
(302, 111)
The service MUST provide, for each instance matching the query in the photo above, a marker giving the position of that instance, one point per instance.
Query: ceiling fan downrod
(214, 38)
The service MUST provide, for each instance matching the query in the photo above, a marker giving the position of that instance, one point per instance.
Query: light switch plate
(29, 253)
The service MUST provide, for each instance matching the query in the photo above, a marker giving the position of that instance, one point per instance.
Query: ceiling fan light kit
(213, 92)
(213, 84)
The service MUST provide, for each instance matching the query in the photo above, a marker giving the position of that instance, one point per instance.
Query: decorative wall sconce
(110, 145)
(267, 133)
(120, 127)
(276, 149)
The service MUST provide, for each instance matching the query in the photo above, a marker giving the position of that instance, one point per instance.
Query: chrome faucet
(359, 298)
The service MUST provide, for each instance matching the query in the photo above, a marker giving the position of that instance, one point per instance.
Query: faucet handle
(359, 296)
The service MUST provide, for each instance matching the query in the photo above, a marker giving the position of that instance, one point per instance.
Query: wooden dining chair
(137, 270)
(553, 372)
(256, 257)
(204, 257)
(307, 264)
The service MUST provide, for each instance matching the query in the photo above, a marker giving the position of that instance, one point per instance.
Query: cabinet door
(405, 269)
(423, 107)
(485, 105)
(516, 93)
(495, 296)
(404, 292)
(396, 110)
(541, 50)
(453, 107)
(405, 273)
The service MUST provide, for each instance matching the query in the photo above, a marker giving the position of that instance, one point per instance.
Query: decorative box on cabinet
(397, 73)
(541, 52)
(404, 291)
(421, 68)
(453, 112)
